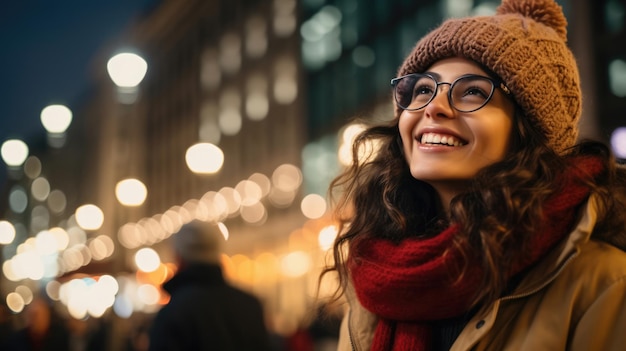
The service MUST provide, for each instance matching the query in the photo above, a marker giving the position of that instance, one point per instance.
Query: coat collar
(558, 257)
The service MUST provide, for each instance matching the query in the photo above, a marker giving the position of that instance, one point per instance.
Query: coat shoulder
(601, 261)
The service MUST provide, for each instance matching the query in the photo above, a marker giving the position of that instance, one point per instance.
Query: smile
(441, 139)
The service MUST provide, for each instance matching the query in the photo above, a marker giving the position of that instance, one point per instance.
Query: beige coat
(574, 299)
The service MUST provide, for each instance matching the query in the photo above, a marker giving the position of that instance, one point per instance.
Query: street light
(127, 70)
(56, 119)
(14, 153)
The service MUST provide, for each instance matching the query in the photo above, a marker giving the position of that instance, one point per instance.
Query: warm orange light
(155, 277)
(228, 267)
(164, 297)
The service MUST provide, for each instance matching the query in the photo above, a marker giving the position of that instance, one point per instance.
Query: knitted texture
(525, 44)
(418, 281)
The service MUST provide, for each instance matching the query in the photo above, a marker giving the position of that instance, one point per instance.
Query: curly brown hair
(378, 197)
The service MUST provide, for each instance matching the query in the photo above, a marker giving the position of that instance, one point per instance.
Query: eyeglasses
(467, 93)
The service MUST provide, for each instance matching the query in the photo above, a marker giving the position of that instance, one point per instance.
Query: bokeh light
(56, 118)
(127, 69)
(618, 142)
(147, 259)
(131, 192)
(7, 232)
(204, 158)
(313, 206)
(89, 217)
(14, 152)
(295, 264)
(327, 237)
(15, 302)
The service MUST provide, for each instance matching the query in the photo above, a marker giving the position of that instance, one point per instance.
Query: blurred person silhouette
(138, 338)
(205, 312)
(6, 323)
(43, 330)
(88, 334)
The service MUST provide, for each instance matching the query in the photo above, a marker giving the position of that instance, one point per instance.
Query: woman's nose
(440, 105)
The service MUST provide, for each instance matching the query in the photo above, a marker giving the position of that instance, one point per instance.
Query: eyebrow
(437, 76)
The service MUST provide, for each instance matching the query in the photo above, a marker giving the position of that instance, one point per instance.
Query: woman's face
(473, 140)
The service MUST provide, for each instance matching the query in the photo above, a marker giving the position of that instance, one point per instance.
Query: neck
(447, 191)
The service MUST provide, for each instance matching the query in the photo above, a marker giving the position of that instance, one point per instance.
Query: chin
(439, 177)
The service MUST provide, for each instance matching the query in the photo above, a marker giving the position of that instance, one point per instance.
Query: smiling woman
(445, 146)
(480, 223)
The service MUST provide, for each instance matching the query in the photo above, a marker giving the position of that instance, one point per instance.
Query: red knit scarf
(410, 284)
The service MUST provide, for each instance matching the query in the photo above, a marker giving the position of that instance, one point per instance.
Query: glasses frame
(495, 83)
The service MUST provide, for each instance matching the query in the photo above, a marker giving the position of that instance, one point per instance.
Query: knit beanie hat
(199, 241)
(525, 44)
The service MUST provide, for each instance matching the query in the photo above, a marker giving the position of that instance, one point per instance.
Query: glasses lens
(471, 93)
(414, 91)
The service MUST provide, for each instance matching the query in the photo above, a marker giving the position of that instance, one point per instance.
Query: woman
(479, 223)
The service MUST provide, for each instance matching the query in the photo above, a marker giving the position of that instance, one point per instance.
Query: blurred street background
(237, 111)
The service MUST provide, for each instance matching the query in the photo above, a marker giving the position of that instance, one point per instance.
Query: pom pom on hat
(547, 12)
(525, 44)
(199, 241)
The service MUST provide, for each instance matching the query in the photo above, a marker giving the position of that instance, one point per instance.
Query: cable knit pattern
(525, 44)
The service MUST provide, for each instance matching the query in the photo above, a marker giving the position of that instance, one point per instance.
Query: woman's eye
(475, 91)
(423, 90)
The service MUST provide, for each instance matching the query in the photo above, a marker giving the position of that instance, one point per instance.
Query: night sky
(47, 53)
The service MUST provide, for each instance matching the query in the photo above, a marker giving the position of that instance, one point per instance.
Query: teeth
(433, 138)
